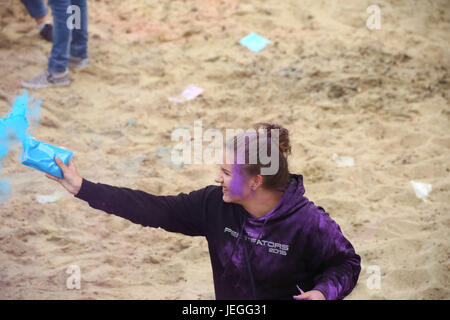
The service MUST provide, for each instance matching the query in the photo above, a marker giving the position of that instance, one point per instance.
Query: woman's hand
(310, 295)
(71, 180)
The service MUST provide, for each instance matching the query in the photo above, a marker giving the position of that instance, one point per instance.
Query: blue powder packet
(41, 156)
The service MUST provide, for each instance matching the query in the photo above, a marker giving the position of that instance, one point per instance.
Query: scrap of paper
(343, 161)
(50, 198)
(421, 189)
(254, 42)
(190, 93)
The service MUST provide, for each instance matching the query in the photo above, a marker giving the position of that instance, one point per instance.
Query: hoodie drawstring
(225, 269)
(249, 269)
(247, 261)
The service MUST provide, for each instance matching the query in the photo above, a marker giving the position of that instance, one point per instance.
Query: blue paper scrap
(254, 42)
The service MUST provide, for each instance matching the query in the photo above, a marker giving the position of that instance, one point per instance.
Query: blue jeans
(63, 43)
(36, 8)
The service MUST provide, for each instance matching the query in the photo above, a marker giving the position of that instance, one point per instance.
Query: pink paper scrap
(191, 92)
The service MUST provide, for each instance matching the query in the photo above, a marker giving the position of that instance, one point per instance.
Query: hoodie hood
(292, 200)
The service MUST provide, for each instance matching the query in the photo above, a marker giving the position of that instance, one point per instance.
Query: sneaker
(47, 32)
(76, 62)
(46, 80)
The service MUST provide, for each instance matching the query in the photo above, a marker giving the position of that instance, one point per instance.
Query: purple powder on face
(237, 182)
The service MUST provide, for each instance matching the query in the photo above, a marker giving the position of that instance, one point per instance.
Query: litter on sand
(190, 93)
(254, 42)
(343, 161)
(421, 189)
(50, 198)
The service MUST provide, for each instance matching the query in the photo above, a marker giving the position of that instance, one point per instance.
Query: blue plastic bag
(41, 156)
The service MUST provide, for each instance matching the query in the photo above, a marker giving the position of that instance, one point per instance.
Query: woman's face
(235, 186)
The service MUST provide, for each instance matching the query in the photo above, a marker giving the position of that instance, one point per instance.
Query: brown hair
(261, 131)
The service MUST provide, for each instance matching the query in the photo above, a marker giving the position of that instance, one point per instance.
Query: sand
(379, 96)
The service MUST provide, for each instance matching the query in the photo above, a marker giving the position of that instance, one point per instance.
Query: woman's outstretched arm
(184, 213)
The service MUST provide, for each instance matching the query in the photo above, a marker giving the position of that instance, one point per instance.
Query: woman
(266, 240)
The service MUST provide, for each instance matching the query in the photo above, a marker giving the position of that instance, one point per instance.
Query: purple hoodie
(297, 243)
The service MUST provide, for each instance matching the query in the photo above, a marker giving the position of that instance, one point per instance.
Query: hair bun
(284, 143)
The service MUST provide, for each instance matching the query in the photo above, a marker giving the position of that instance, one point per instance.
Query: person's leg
(78, 45)
(57, 73)
(36, 8)
(57, 63)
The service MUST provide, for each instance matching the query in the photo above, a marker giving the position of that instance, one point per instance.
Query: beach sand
(379, 96)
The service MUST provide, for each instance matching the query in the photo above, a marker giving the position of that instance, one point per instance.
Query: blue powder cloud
(17, 126)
